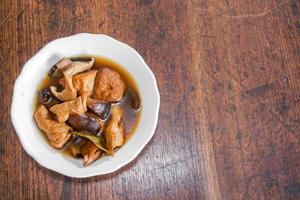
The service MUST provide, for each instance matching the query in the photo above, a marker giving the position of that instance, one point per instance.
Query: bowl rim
(26, 67)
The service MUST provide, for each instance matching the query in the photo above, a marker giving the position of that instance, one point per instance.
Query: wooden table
(229, 80)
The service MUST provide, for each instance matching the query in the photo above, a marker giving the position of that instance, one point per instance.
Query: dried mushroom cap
(115, 130)
(45, 96)
(134, 98)
(100, 108)
(81, 122)
(63, 110)
(56, 70)
(82, 59)
(58, 134)
(68, 70)
(90, 153)
(78, 66)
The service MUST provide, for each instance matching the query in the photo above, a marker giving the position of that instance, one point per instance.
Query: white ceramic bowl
(33, 72)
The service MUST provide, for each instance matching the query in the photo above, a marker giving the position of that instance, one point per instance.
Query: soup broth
(131, 115)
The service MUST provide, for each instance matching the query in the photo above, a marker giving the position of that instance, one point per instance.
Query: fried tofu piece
(108, 86)
(63, 110)
(83, 82)
(58, 134)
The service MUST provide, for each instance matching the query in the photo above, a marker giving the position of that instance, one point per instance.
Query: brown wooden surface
(229, 80)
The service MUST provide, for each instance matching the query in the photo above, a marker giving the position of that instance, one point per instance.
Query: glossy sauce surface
(131, 116)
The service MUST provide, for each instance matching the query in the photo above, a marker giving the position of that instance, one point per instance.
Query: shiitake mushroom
(100, 108)
(82, 122)
(56, 70)
(81, 59)
(135, 102)
(45, 96)
(133, 99)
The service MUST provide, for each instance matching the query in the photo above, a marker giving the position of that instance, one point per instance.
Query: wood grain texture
(229, 79)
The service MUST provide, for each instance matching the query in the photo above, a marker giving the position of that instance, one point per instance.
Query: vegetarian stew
(87, 107)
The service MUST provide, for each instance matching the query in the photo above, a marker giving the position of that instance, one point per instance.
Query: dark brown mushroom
(135, 99)
(56, 70)
(45, 96)
(100, 108)
(82, 122)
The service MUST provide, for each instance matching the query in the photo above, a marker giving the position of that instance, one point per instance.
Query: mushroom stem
(69, 93)
(69, 69)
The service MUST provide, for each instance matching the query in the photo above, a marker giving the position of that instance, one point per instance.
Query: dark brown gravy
(131, 116)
